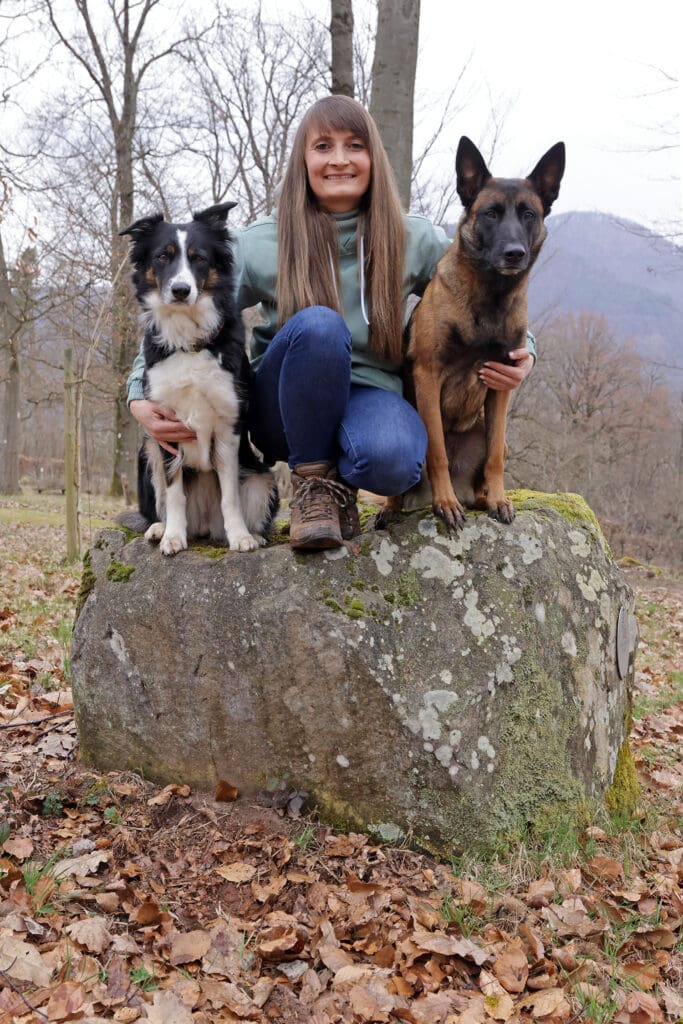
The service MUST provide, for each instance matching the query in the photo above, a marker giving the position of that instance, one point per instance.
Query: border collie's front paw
(244, 543)
(172, 543)
(155, 532)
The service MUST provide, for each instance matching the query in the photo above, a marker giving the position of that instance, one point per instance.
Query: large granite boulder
(444, 687)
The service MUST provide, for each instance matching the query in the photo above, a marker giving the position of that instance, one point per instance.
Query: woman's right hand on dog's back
(160, 423)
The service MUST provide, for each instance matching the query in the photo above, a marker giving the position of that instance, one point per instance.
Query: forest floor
(124, 901)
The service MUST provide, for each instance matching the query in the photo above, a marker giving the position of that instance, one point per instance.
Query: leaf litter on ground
(124, 901)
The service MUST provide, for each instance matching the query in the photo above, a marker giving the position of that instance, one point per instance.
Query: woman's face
(338, 165)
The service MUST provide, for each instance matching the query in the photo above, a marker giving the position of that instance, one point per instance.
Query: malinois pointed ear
(471, 171)
(214, 216)
(547, 175)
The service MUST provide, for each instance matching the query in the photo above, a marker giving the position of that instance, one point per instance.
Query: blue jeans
(305, 409)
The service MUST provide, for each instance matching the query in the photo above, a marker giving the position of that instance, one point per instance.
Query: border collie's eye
(198, 257)
(162, 257)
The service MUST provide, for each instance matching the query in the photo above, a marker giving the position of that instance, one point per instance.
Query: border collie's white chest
(201, 393)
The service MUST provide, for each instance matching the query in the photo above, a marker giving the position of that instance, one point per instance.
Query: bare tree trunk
(70, 461)
(126, 335)
(393, 84)
(117, 79)
(125, 339)
(10, 380)
(341, 32)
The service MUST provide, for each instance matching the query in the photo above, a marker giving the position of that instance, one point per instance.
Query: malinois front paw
(451, 513)
(503, 510)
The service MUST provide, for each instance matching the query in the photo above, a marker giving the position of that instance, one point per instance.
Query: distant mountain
(593, 262)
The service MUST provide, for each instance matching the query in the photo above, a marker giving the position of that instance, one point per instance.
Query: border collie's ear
(471, 171)
(143, 226)
(215, 216)
(547, 175)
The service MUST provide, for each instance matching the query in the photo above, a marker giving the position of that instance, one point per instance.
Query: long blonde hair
(307, 234)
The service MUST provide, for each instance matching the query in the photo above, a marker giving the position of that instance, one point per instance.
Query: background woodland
(115, 110)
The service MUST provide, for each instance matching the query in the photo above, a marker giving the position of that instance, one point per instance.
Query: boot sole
(316, 543)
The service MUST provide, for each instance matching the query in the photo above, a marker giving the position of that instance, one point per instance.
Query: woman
(332, 272)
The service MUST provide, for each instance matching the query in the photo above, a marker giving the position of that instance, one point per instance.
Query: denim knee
(392, 468)
(319, 323)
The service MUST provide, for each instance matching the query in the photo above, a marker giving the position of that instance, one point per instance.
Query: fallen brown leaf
(168, 1008)
(189, 946)
(148, 913)
(548, 1002)
(20, 847)
(23, 962)
(449, 945)
(225, 792)
(86, 864)
(162, 798)
(239, 872)
(65, 1001)
(639, 1008)
(497, 1002)
(91, 932)
(511, 968)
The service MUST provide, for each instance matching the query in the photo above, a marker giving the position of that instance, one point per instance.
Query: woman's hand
(160, 423)
(501, 377)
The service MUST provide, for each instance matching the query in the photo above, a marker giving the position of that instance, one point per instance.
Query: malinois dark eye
(491, 214)
(529, 215)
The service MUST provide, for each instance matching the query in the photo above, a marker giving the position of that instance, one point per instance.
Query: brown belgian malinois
(473, 310)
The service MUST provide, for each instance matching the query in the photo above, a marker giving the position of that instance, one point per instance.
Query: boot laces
(313, 496)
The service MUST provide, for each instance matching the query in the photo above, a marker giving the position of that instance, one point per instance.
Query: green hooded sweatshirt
(255, 257)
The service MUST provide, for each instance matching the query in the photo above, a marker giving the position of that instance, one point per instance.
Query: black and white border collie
(196, 364)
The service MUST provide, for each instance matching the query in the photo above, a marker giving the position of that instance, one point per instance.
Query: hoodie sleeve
(135, 392)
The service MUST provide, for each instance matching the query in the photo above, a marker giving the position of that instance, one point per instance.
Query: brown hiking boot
(316, 496)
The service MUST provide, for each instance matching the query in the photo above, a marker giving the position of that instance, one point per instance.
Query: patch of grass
(597, 1009)
(41, 883)
(145, 979)
(467, 921)
(671, 692)
(305, 838)
(63, 634)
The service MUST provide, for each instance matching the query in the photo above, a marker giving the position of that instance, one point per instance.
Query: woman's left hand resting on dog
(504, 377)
(162, 424)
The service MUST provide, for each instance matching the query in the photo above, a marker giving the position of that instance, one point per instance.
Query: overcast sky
(591, 72)
(602, 76)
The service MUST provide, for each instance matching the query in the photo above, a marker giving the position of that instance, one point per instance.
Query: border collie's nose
(180, 292)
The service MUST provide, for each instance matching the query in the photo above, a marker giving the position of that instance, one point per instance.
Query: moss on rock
(126, 531)
(337, 812)
(366, 513)
(573, 507)
(207, 550)
(535, 738)
(118, 572)
(623, 795)
(88, 580)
